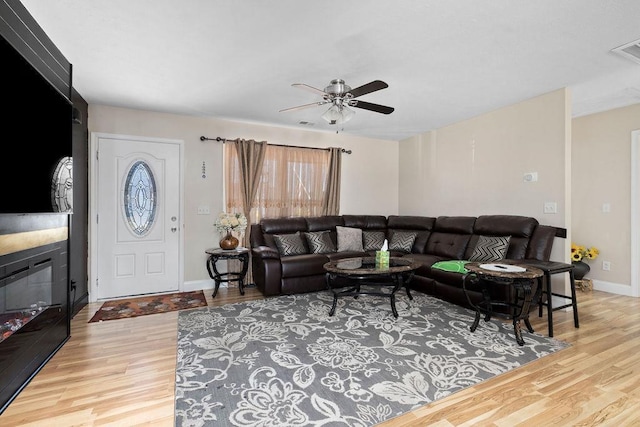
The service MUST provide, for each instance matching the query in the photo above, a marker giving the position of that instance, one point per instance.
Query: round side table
(218, 254)
(524, 280)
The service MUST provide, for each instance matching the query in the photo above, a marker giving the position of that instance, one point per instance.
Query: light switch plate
(550, 207)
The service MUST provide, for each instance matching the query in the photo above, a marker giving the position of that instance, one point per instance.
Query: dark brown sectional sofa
(437, 239)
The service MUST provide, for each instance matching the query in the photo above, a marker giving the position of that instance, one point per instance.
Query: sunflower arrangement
(581, 252)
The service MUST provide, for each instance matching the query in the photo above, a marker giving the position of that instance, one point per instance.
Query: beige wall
(473, 167)
(602, 175)
(477, 166)
(369, 179)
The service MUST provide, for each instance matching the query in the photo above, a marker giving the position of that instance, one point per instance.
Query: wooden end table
(524, 279)
(364, 271)
(218, 254)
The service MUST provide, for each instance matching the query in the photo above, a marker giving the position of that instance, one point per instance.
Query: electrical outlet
(606, 265)
(203, 210)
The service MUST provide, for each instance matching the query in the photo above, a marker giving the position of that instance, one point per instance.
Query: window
(140, 198)
(293, 182)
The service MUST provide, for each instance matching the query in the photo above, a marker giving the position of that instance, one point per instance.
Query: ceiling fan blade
(300, 107)
(368, 88)
(309, 88)
(372, 107)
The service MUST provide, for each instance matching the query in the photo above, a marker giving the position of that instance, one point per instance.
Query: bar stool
(549, 268)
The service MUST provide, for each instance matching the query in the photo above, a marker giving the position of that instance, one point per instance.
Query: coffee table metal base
(347, 277)
(396, 280)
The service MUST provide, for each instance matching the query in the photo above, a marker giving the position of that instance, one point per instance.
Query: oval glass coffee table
(347, 277)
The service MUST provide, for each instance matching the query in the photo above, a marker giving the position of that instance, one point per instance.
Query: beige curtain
(292, 181)
(331, 203)
(244, 168)
(250, 159)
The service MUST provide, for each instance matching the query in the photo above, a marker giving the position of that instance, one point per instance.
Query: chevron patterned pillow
(373, 240)
(402, 241)
(290, 244)
(320, 242)
(490, 248)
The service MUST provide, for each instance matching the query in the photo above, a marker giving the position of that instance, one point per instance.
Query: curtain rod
(204, 138)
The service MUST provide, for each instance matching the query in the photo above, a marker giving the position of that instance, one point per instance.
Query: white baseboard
(613, 288)
(196, 285)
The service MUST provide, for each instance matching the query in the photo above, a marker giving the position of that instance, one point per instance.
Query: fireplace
(34, 313)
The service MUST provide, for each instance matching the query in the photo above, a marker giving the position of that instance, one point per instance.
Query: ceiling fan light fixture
(338, 114)
(341, 96)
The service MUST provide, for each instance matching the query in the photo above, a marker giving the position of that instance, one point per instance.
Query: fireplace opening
(34, 314)
(25, 294)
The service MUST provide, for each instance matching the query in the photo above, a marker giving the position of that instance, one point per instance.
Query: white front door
(138, 221)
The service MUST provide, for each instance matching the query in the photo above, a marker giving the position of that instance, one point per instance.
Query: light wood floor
(121, 373)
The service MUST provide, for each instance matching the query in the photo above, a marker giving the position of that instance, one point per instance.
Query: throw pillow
(290, 244)
(490, 248)
(454, 266)
(320, 242)
(373, 240)
(402, 241)
(349, 239)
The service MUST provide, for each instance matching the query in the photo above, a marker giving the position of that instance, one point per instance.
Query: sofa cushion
(366, 222)
(447, 245)
(321, 223)
(402, 241)
(520, 229)
(411, 222)
(283, 225)
(455, 224)
(290, 244)
(490, 248)
(373, 240)
(320, 242)
(303, 265)
(349, 239)
(422, 225)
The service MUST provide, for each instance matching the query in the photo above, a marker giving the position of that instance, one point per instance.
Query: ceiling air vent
(630, 51)
(305, 123)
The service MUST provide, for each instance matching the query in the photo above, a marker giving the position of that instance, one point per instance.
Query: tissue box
(382, 259)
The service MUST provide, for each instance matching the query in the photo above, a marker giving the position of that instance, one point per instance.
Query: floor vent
(630, 51)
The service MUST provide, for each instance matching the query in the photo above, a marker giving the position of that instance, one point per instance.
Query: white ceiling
(444, 61)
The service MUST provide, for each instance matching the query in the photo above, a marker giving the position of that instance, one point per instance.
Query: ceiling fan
(341, 97)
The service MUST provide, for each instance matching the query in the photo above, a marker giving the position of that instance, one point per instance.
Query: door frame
(635, 213)
(93, 204)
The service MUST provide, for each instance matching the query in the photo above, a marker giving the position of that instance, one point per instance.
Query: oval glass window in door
(140, 202)
(62, 186)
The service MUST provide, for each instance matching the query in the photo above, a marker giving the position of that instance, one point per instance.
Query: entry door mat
(284, 361)
(141, 306)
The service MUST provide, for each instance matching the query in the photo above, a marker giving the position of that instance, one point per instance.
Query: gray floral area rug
(284, 361)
